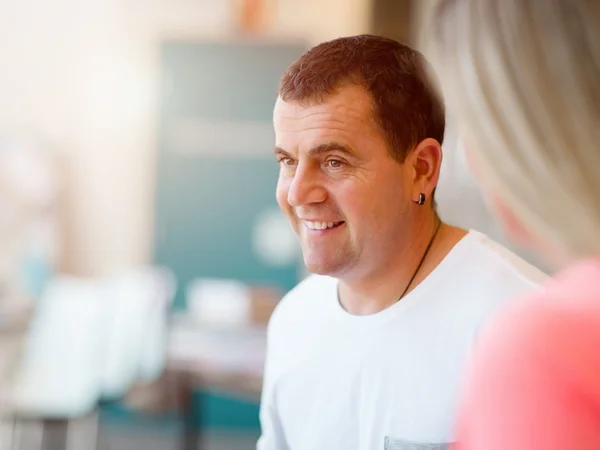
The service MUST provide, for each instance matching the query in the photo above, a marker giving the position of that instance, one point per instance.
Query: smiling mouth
(318, 226)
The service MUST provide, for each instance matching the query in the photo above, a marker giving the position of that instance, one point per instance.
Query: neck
(381, 288)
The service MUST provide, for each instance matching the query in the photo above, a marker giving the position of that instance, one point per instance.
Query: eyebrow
(323, 148)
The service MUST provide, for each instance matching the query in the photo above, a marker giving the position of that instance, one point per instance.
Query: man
(368, 352)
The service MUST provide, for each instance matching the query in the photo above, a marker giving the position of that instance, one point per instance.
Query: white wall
(75, 77)
(321, 20)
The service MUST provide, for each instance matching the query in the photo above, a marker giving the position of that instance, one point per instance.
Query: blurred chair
(91, 340)
(137, 330)
(139, 301)
(59, 375)
(60, 371)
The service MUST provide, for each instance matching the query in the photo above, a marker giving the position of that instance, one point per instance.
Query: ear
(425, 161)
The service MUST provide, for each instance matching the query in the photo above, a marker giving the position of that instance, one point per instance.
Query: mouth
(322, 226)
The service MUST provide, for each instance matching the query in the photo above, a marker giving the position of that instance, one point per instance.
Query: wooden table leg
(191, 414)
(55, 434)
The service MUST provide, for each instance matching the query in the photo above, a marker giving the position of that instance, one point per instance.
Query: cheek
(515, 229)
(471, 160)
(363, 203)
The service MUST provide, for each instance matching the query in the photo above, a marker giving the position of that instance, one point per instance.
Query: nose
(306, 188)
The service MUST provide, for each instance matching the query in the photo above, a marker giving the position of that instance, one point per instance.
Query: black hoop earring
(421, 199)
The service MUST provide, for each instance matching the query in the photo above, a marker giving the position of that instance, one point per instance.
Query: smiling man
(368, 352)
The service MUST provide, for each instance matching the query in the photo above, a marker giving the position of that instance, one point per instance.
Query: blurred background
(142, 249)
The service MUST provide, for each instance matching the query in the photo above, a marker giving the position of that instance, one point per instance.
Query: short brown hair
(406, 105)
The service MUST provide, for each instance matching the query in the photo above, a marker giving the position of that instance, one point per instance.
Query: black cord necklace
(422, 260)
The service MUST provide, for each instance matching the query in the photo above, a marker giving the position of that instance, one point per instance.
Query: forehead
(346, 115)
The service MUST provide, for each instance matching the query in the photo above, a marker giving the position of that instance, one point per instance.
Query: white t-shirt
(386, 381)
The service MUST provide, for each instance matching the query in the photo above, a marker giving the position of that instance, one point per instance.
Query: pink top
(535, 380)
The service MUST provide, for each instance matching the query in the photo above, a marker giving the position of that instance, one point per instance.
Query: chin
(316, 265)
(317, 269)
(323, 267)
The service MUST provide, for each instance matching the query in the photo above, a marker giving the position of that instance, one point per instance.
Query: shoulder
(535, 371)
(518, 332)
(484, 276)
(495, 264)
(303, 303)
(550, 331)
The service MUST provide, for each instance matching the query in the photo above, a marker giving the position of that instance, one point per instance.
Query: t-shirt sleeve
(272, 435)
(534, 382)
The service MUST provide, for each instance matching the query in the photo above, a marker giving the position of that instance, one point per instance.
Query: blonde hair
(523, 78)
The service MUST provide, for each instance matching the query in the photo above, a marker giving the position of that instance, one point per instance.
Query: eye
(334, 163)
(286, 161)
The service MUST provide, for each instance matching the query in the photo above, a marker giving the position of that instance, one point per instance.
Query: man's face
(345, 196)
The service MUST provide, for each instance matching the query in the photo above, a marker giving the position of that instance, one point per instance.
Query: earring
(421, 199)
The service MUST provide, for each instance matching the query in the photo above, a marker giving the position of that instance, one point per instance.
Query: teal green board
(209, 197)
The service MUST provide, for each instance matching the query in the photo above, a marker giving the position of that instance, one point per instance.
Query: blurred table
(224, 359)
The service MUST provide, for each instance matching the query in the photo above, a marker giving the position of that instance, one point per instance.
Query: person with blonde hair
(523, 79)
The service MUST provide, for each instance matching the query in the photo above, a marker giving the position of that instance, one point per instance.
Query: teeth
(320, 225)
